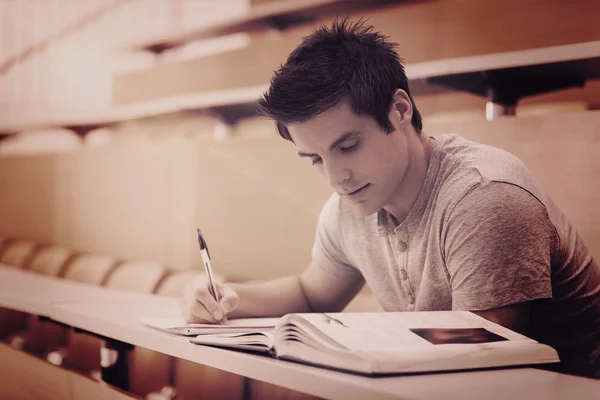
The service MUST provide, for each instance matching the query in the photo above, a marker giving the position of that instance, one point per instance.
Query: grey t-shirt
(482, 234)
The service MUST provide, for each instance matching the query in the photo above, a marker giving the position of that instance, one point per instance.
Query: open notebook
(179, 326)
(389, 343)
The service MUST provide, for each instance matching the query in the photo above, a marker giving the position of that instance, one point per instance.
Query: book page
(410, 330)
(179, 326)
(253, 341)
(388, 342)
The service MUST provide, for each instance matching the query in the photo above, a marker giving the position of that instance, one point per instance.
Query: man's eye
(316, 161)
(349, 148)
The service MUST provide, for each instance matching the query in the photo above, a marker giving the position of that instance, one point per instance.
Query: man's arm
(313, 291)
(514, 317)
(498, 254)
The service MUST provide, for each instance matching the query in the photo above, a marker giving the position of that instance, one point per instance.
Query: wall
(144, 195)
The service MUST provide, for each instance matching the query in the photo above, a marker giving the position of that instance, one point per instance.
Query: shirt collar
(385, 221)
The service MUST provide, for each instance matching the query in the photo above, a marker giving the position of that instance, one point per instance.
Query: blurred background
(127, 124)
(189, 153)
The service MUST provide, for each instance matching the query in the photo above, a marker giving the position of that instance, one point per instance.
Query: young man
(428, 224)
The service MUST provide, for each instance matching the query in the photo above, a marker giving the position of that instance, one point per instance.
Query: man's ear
(401, 103)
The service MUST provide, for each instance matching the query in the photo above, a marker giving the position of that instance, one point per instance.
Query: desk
(119, 321)
(114, 316)
(35, 294)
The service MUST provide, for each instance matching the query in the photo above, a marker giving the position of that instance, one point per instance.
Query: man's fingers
(229, 299)
(203, 296)
(200, 312)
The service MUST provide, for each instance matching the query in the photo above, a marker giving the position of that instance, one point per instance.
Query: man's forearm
(270, 299)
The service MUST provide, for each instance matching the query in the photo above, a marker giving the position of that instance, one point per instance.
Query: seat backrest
(172, 285)
(90, 268)
(148, 370)
(136, 276)
(18, 252)
(84, 349)
(50, 260)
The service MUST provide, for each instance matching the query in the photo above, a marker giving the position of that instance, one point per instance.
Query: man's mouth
(358, 191)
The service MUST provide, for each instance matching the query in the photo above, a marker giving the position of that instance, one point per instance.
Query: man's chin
(362, 209)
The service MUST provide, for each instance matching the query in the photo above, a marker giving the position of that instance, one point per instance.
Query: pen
(207, 268)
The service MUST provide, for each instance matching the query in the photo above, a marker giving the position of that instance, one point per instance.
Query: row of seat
(150, 372)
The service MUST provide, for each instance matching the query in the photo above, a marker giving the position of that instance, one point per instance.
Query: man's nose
(337, 174)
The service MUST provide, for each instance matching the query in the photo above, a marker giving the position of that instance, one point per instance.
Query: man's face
(362, 163)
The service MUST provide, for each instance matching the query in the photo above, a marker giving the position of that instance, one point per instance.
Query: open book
(390, 342)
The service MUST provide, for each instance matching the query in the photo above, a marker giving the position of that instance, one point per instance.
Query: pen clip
(202, 242)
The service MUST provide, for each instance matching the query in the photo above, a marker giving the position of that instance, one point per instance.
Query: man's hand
(198, 306)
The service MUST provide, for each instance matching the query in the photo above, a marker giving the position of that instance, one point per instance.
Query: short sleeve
(498, 248)
(328, 250)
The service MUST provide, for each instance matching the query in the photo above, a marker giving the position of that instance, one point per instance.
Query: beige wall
(143, 196)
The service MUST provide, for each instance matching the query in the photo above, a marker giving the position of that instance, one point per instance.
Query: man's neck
(421, 148)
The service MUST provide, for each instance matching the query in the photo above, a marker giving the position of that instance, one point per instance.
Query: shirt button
(401, 246)
(403, 274)
(411, 299)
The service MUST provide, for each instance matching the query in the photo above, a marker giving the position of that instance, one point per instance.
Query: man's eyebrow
(303, 154)
(337, 142)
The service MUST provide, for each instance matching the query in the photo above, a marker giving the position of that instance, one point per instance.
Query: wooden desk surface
(112, 314)
(120, 321)
(35, 294)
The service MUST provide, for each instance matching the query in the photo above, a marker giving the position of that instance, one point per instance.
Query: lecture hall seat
(146, 373)
(192, 380)
(80, 352)
(18, 252)
(42, 336)
(50, 260)
(15, 253)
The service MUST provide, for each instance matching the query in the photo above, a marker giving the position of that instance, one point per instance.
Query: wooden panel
(24, 377)
(28, 197)
(255, 200)
(261, 390)
(11, 321)
(96, 193)
(195, 381)
(425, 31)
(258, 205)
(149, 371)
(89, 389)
(83, 352)
(476, 27)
